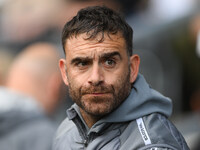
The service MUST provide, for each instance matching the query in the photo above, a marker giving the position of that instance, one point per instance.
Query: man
(114, 106)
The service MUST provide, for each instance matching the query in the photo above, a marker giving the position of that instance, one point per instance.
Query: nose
(96, 76)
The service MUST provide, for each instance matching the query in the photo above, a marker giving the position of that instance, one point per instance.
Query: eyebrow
(111, 54)
(79, 59)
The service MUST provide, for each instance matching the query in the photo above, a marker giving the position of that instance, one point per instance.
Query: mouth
(97, 94)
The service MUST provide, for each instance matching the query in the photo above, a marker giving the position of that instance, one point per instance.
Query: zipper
(82, 130)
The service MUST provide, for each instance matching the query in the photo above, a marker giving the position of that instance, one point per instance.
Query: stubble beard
(99, 106)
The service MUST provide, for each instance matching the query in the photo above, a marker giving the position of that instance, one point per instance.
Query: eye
(109, 63)
(82, 64)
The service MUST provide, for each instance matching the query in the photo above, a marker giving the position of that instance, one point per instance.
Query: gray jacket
(139, 123)
(23, 125)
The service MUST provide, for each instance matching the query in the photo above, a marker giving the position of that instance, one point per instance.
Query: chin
(98, 111)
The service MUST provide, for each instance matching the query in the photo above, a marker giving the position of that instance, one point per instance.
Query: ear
(134, 67)
(63, 71)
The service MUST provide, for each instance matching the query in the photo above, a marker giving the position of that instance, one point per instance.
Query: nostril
(96, 83)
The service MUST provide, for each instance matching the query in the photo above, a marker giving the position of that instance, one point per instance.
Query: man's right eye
(82, 64)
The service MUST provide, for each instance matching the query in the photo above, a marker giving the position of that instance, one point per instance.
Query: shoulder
(162, 133)
(153, 131)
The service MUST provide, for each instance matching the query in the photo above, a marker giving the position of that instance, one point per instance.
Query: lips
(97, 91)
(100, 90)
(97, 94)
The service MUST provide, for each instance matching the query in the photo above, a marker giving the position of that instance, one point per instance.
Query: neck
(90, 120)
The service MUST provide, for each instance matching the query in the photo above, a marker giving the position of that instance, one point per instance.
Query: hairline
(74, 35)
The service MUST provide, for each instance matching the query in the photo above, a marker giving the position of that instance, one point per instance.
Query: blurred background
(166, 36)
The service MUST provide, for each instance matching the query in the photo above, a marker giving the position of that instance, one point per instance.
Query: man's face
(98, 74)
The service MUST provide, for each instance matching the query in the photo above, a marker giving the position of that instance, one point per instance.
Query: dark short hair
(98, 19)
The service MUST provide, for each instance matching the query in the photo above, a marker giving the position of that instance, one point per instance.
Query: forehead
(80, 43)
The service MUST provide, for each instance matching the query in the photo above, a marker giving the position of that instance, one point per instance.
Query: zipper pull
(85, 142)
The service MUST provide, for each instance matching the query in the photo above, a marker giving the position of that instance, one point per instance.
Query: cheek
(76, 79)
(112, 79)
(117, 76)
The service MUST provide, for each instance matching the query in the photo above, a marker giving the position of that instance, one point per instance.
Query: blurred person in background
(30, 95)
(35, 73)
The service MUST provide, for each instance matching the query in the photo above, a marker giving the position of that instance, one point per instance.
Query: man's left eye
(110, 63)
